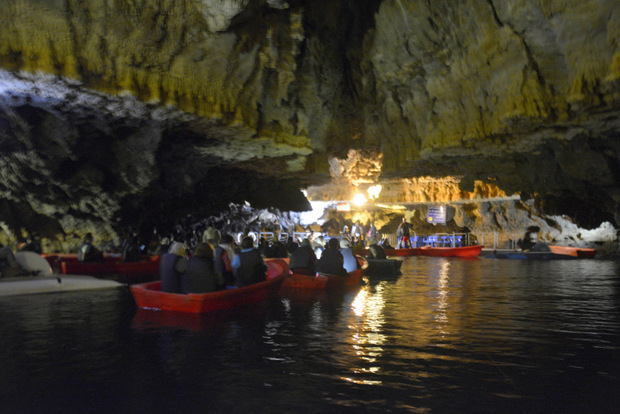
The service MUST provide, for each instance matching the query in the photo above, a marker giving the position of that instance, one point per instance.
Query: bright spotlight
(359, 199)
(373, 191)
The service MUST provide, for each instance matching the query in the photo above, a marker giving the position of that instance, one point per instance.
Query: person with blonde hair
(201, 276)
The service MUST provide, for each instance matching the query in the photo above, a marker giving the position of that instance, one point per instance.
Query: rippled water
(447, 336)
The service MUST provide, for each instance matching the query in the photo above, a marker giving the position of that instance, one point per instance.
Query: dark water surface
(448, 336)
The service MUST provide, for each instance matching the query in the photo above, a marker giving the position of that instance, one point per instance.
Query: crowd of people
(207, 261)
(219, 262)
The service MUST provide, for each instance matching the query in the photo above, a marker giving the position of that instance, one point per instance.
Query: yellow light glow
(374, 191)
(359, 199)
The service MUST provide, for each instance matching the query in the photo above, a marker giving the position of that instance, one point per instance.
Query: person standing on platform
(404, 232)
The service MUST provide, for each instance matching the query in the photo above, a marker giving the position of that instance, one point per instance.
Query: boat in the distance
(150, 296)
(464, 251)
(132, 271)
(38, 278)
(579, 252)
(323, 281)
(54, 283)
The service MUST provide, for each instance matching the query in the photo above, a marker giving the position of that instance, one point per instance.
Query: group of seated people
(209, 269)
(227, 265)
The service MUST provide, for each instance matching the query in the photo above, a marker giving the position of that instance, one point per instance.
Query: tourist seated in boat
(303, 260)
(249, 266)
(224, 255)
(164, 246)
(530, 241)
(276, 249)
(32, 244)
(319, 246)
(131, 251)
(212, 236)
(349, 261)
(89, 253)
(291, 245)
(201, 275)
(375, 251)
(8, 265)
(172, 266)
(331, 260)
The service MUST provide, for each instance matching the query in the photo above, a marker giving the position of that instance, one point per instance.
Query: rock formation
(116, 111)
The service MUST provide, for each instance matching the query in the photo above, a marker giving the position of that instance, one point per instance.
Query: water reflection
(447, 336)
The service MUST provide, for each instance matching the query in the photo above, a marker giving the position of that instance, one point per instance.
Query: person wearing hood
(349, 260)
(172, 266)
(201, 276)
(331, 261)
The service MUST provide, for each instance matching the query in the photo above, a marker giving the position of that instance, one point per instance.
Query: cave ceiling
(115, 111)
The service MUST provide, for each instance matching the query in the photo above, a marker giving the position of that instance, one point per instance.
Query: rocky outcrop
(117, 112)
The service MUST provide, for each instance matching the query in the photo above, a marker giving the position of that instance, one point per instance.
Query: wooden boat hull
(149, 295)
(383, 267)
(131, 270)
(465, 251)
(325, 282)
(579, 252)
(53, 284)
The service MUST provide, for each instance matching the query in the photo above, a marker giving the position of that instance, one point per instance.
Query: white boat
(30, 285)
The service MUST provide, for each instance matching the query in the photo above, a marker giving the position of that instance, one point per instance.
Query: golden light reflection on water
(442, 300)
(366, 328)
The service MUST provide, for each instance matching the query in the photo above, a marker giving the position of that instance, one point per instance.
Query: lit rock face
(116, 112)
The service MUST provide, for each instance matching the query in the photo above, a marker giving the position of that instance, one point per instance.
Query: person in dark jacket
(131, 248)
(87, 252)
(375, 251)
(172, 266)
(331, 261)
(303, 260)
(276, 249)
(249, 267)
(201, 276)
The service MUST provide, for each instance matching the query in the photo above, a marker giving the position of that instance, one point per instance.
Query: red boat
(130, 270)
(466, 251)
(325, 282)
(149, 295)
(579, 252)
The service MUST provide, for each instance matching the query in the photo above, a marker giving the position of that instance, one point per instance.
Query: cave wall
(112, 110)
